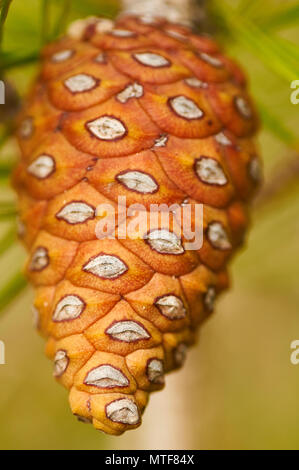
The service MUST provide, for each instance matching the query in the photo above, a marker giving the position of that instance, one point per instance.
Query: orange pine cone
(156, 114)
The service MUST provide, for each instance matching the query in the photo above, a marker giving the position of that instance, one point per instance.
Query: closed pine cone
(155, 113)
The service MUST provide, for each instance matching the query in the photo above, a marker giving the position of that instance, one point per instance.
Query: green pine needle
(10, 61)
(277, 128)
(8, 239)
(45, 19)
(62, 19)
(247, 23)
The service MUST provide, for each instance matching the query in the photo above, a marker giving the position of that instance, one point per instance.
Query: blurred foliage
(238, 389)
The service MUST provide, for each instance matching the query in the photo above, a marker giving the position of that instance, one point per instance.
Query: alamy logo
(2, 345)
(294, 358)
(2, 353)
(2, 92)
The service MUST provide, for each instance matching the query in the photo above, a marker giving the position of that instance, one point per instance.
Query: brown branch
(283, 177)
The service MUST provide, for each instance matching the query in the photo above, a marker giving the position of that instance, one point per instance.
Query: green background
(238, 389)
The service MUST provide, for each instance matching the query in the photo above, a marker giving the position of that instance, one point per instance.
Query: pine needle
(282, 17)
(45, 13)
(267, 48)
(8, 239)
(277, 128)
(8, 210)
(245, 7)
(4, 8)
(62, 19)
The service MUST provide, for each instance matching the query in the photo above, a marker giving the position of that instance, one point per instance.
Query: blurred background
(238, 389)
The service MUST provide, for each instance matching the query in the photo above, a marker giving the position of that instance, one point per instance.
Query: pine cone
(155, 113)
